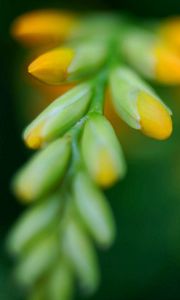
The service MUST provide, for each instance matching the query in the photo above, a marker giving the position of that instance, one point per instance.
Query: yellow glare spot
(155, 120)
(33, 139)
(106, 171)
(43, 27)
(170, 31)
(167, 65)
(51, 67)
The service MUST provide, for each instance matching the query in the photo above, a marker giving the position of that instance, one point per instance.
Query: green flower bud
(33, 222)
(59, 116)
(37, 261)
(150, 55)
(69, 63)
(95, 25)
(37, 293)
(44, 171)
(89, 57)
(81, 255)
(102, 152)
(137, 49)
(94, 210)
(60, 283)
(138, 105)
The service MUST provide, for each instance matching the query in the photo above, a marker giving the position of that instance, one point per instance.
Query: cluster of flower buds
(79, 152)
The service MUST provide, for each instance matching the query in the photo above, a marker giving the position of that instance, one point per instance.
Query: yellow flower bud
(52, 67)
(59, 116)
(167, 64)
(43, 27)
(33, 139)
(154, 118)
(138, 105)
(152, 57)
(102, 152)
(69, 64)
(169, 30)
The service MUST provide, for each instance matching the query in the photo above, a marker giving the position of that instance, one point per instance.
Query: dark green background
(145, 260)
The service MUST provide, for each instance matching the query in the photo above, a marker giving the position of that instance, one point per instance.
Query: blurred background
(144, 263)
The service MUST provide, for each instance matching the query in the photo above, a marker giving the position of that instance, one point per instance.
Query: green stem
(100, 83)
(97, 106)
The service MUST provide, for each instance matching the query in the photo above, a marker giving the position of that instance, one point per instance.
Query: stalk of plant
(78, 152)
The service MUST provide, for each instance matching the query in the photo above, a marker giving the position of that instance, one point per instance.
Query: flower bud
(70, 63)
(102, 152)
(150, 56)
(37, 293)
(37, 260)
(169, 30)
(81, 255)
(97, 25)
(44, 171)
(52, 67)
(60, 283)
(59, 116)
(32, 223)
(94, 210)
(89, 56)
(43, 27)
(138, 105)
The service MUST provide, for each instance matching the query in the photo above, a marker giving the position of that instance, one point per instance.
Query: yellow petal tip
(51, 67)
(155, 120)
(106, 179)
(33, 138)
(106, 174)
(22, 191)
(33, 142)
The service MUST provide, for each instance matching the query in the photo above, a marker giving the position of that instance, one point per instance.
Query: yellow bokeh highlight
(170, 31)
(167, 64)
(51, 67)
(43, 27)
(155, 120)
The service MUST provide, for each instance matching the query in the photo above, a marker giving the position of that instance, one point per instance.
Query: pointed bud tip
(22, 192)
(43, 172)
(33, 138)
(33, 142)
(102, 152)
(155, 120)
(52, 67)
